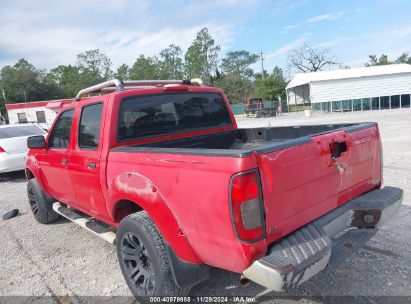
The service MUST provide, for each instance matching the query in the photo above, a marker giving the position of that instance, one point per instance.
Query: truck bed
(242, 142)
(305, 172)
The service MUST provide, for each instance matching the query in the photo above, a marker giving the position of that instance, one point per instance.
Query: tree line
(23, 82)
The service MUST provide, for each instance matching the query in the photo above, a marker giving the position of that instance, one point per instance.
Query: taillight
(247, 207)
(1, 150)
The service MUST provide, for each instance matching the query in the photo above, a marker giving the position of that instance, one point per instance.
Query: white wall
(31, 115)
(364, 87)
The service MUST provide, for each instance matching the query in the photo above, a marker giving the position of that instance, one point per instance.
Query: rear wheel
(143, 258)
(41, 205)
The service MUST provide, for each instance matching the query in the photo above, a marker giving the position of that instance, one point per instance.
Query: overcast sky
(51, 32)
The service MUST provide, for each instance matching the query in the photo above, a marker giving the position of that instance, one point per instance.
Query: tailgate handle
(332, 146)
(337, 148)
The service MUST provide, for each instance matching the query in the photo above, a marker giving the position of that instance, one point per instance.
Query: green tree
(22, 82)
(171, 63)
(238, 63)
(144, 68)
(94, 66)
(201, 58)
(68, 78)
(237, 89)
(404, 58)
(122, 72)
(373, 60)
(272, 87)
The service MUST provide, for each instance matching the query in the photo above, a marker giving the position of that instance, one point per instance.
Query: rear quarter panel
(195, 190)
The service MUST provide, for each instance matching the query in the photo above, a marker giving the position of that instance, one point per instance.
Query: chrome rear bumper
(325, 241)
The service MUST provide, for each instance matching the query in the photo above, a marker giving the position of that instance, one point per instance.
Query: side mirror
(36, 142)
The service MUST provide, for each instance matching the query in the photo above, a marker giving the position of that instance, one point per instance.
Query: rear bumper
(325, 241)
(12, 162)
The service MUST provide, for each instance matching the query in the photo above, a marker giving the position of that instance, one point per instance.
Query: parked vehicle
(13, 145)
(257, 108)
(160, 169)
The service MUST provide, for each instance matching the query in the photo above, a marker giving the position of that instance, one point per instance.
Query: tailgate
(303, 182)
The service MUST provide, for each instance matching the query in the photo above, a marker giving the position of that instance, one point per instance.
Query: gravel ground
(67, 263)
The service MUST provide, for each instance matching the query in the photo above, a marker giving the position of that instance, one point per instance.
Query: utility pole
(4, 96)
(262, 64)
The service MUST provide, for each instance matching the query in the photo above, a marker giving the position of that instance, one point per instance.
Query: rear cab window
(89, 128)
(17, 131)
(155, 115)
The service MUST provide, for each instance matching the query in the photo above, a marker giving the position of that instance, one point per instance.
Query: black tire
(40, 204)
(143, 259)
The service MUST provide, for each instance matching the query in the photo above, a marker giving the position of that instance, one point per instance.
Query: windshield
(16, 131)
(154, 115)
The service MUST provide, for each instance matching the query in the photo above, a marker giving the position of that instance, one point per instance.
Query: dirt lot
(61, 259)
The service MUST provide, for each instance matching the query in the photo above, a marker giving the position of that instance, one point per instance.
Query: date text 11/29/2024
(203, 299)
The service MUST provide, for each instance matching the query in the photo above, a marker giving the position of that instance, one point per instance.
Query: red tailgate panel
(302, 183)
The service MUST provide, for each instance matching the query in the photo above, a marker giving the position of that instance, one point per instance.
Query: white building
(369, 88)
(42, 112)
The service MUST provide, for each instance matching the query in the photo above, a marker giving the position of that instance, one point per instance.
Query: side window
(89, 129)
(60, 136)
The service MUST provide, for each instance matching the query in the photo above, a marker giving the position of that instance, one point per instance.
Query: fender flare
(33, 168)
(140, 190)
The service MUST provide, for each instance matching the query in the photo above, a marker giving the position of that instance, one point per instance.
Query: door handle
(91, 165)
(64, 161)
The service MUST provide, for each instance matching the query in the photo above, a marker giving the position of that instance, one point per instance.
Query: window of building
(60, 135)
(41, 117)
(89, 131)
(385, 102)
(395, 102)
(347, 105)
(337, 106)
(405, 101)
(317, 106)
(366, 104)
(326, 106)
(357, 104)
(375, 103)
(22, 117)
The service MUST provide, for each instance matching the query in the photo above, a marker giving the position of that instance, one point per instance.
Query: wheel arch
(32, 170)
(132, 192)
(29, 174)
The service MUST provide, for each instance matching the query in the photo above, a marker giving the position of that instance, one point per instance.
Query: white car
(13, 145)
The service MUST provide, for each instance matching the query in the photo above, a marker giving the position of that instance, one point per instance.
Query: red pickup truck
(160, 169)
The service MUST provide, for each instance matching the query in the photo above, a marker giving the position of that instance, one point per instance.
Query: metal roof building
(369, 88)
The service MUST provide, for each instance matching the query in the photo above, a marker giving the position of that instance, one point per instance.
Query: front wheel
(143, 258)
(41, 205)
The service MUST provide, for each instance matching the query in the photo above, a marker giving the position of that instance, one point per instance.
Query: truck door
(84, 166)
(54, 160)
